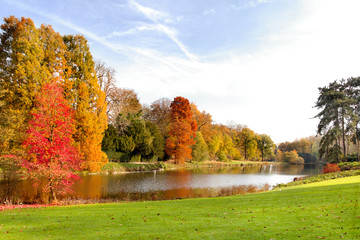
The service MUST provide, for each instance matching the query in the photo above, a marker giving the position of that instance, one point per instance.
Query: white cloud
(249, 4)
(150, 13)
(155, 16)
(209, 11)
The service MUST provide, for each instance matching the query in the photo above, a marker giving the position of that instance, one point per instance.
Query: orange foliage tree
(182, 130)
(82, 90)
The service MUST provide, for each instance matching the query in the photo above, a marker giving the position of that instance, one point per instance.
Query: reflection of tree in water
(91, 187)
(295, 169)
(183, 179)
(166, 185)
(27, 193)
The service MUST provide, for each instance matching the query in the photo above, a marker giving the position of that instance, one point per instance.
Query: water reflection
(201, 182)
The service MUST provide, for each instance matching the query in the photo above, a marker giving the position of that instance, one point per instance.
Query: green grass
(112, 167)
(321, 177)
(323, 210)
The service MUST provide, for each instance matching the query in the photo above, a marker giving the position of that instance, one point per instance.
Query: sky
(257, 63)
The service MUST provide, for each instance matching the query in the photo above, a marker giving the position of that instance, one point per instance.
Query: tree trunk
(357, 143)
(343, 131)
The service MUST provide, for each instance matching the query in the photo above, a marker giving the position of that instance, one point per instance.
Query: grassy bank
(115, 167)
(323, 210)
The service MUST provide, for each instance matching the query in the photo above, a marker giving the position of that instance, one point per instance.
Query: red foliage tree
(52, 155)
(182, 130)
(331, 167)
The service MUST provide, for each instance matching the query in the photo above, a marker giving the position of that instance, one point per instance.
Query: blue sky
(253, 62)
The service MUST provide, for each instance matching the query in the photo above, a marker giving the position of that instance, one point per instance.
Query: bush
(331, 167)
(349, 165)
(352, 157)
(298, 160)
(222, 156)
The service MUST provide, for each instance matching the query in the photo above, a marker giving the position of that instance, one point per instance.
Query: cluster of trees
(339, 111)
(303, 150)
(178, 130)
(59, 109)
(52, 109)
(31, 57)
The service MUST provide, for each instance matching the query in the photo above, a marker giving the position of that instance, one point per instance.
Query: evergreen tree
(335, 120)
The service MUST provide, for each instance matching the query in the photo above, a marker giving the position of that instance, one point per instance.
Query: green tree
(158, 142)
(199, 149)
(248, 143)
(109, 141)
(335, 117)
(265, 145)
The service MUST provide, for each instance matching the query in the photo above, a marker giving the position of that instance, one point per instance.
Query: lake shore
(115, 167)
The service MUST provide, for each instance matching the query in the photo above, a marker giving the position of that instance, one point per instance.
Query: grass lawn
(324, 210)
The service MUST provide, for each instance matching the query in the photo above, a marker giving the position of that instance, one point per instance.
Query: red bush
(331, 167)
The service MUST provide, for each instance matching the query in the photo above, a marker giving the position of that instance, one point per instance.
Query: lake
(176, 184)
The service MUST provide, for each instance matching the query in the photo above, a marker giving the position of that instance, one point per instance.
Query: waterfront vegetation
(118, 167)
(322, 210)
(320, 178)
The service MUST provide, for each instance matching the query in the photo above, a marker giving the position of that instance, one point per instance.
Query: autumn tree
(203, 119)
(21, 70)
(51, 151)
(292, 157)
(31, 57)
(221, 145)
(122, 101)
(182, 130)
(106, 79)
(54, 51)
(83, 92)
(11, 122)
(159, 114)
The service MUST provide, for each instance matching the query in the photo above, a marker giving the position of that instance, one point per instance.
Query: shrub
(298, 160)
(349, 165)
(331, 167)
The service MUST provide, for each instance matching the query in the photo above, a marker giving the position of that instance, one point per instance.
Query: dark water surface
(174, 184)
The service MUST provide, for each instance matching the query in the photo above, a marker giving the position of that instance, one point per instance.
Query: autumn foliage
(182, 130)
(31, 57)
(53, 156)
(331, 167)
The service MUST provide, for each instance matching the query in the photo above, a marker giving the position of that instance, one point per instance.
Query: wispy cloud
(250, 4)
(209, 11)
(120, 48)
(171, 33)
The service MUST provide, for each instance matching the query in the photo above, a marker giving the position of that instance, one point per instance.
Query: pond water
(175, 184)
